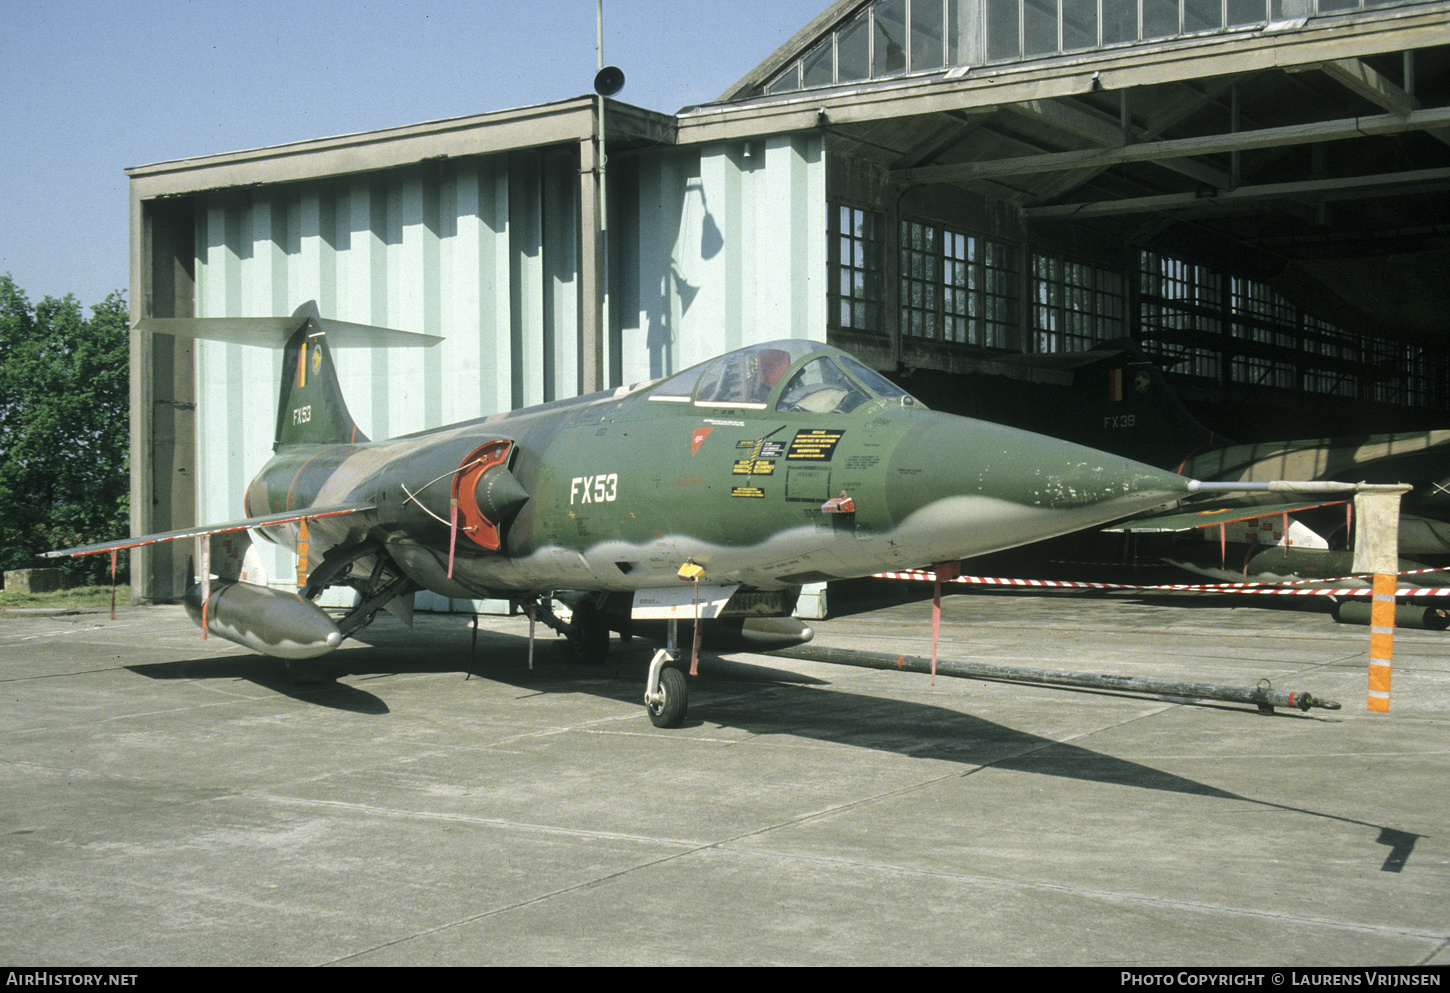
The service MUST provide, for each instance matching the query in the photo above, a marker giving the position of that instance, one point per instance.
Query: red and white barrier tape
(1433, 591)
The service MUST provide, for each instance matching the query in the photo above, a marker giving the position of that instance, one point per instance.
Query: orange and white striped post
(1381, 642)
(1376, 551)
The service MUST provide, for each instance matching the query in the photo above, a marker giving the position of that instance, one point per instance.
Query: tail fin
(310, 407)
(1126, 406)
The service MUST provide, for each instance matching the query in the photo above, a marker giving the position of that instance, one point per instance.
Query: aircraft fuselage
(624, 487)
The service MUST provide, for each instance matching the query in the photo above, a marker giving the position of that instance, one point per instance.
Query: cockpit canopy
(790, 376)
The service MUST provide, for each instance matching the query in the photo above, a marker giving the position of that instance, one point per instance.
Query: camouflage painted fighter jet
(714, 493)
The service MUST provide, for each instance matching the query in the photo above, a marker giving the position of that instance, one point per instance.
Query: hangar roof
(1302, 142)
(1305, 143)
(559, 122)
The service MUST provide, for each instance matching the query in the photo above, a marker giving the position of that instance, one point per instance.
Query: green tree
(64, 429)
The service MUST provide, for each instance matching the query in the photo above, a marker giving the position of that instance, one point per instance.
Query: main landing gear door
(679, 603)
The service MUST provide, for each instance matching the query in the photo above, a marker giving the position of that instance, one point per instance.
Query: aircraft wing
(267, 520)
(1210, 515)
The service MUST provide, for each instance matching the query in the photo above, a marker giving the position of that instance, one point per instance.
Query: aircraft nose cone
(988, 487)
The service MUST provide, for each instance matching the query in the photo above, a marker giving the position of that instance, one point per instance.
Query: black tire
(670, 712)
(590, 638)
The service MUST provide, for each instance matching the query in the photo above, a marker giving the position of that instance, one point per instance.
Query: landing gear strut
(586, 634)
(589, 633)
(666, 694)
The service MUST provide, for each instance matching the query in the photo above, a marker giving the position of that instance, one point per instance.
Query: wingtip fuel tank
(274, 622)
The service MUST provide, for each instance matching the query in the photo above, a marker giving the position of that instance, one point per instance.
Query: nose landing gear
(666, 694)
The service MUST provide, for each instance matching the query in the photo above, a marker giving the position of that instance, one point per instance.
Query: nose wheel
(666, 694)
(670, 699)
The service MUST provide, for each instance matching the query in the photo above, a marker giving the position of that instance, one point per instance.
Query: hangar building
(1257, 191)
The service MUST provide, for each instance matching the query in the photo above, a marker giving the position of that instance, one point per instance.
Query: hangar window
(1079, 25)
(1177, 296)
(1257, 371)
(891, 37)
(1429, 379)
(1340, 384)
(887, 38)
(853, 49)
(921, 281)
(888, 44)
(1075, 305)
(818, 67)
(856, 253)
(1197, 321)
(1385, 359)
(1180, 305)
(957, 287)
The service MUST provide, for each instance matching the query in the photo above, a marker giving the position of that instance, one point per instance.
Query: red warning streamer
(1277, 589)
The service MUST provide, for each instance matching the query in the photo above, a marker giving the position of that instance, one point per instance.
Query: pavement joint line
(689, 847)
(726, 846)
(496, 911)
(586, 727)
(59, 675)
(697, 739)
(1129, 756)
(695, 848)
(1435, 953)
(231, 701)
(497, 822)
(1099, 894)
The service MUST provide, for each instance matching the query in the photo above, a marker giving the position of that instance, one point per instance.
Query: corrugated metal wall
(722, 246)
(709, 248)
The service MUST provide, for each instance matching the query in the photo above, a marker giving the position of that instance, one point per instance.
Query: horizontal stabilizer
(267, 520)
(274, 331)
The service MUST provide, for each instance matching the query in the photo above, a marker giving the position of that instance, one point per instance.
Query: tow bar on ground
(1265, 697)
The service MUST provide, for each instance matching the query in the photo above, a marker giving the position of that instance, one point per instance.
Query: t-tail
(310, 407)
(1125, 405)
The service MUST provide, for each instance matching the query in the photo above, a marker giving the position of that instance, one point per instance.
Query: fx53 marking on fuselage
(594, 489)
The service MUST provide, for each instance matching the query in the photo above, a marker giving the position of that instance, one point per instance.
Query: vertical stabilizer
(1126, 406)
(310, 407)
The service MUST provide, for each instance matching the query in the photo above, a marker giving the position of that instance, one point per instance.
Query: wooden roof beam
(1182, 148)
(1317, 189)
(1105, 132)
(1363, 80)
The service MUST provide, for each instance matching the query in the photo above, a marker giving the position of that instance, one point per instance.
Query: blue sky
(90, 87)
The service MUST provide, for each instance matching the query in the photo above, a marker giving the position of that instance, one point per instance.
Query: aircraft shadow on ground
(496, 656)
(271, 674)
(759, 699)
